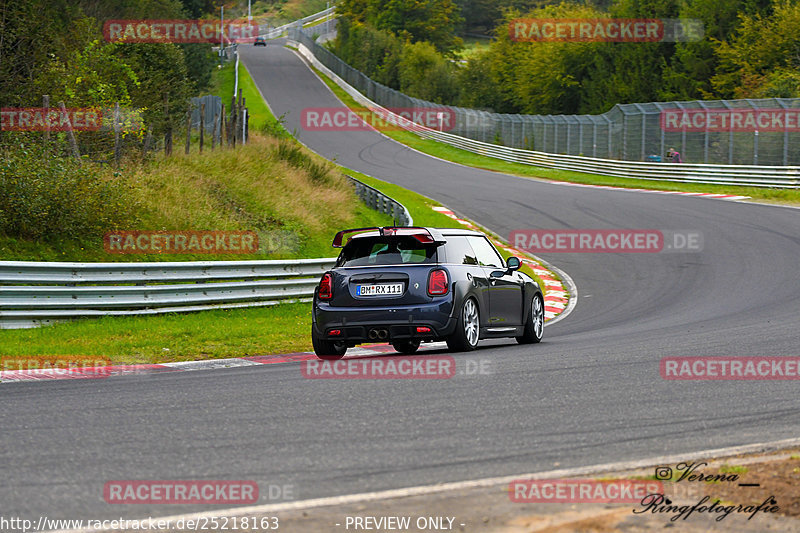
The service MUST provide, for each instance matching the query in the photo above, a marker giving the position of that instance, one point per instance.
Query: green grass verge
(456, 155)
(174, 337)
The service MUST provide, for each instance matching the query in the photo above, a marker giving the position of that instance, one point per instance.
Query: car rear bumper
(356, 323)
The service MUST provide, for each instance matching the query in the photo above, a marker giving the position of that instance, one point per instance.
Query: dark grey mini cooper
(407, 285)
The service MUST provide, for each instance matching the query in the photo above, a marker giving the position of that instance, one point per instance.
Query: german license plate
(379, 289)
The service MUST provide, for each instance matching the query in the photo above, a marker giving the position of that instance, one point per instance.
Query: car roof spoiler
(423, 235)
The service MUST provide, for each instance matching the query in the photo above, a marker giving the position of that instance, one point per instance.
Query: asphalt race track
(590, 393)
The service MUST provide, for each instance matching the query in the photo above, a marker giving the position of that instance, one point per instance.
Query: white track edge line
(422, 490)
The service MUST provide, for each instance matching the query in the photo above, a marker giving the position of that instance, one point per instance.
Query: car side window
(459, 251)
(487, 255)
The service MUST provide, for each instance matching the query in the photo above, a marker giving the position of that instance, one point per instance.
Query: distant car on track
(260, 41)
(407, 285)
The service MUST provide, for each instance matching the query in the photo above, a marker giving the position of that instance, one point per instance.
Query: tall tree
(762, 59)
(434, 21)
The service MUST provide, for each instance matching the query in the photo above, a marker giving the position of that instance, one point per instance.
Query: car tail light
(325, 287)
(423, 329)
(437, 282)
(335, 333)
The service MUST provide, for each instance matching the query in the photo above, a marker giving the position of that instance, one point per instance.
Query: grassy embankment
(293, 198)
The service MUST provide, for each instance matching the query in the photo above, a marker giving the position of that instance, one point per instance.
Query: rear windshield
(386, 251)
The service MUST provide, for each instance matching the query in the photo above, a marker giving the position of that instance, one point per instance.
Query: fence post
(116, 135)
(223, 127)
(662, 140)
(202, 123)
(555, 137)
(214, 127)
(239, 119)
(232, 129)
(246, 125)
(243, 120)
(188, 128)
(70, 134)
(148, 140)
(46, 106)
(569, 137)
(168, 131)
(755, 147)
(644, 134)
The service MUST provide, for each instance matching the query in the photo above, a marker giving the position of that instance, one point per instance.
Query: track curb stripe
(101, 372)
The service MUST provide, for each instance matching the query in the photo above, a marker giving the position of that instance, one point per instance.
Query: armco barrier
(268, 32)
(34, 293)
(378, 201)
(751, 175)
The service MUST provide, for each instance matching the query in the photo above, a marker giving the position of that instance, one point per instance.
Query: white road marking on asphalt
(210, 364)
(271, 508)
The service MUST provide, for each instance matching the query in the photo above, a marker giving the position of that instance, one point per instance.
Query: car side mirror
(512, 264)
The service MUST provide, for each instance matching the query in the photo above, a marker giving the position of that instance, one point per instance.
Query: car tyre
(465, 337)
(406, 347)
(534, 326)
(325, 349)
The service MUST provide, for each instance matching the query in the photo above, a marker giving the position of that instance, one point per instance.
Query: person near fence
(673, 156)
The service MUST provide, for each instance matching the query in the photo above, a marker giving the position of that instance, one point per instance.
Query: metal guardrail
(273, 33)
(236, 74)
(756, 176)
(750, 175)
(36, 293)
(378, 201)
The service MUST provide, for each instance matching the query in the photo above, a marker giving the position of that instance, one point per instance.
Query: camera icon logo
(663, 473)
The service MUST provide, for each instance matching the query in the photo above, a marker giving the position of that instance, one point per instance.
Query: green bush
(375, 53)
(426, 74)
(47, 197)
